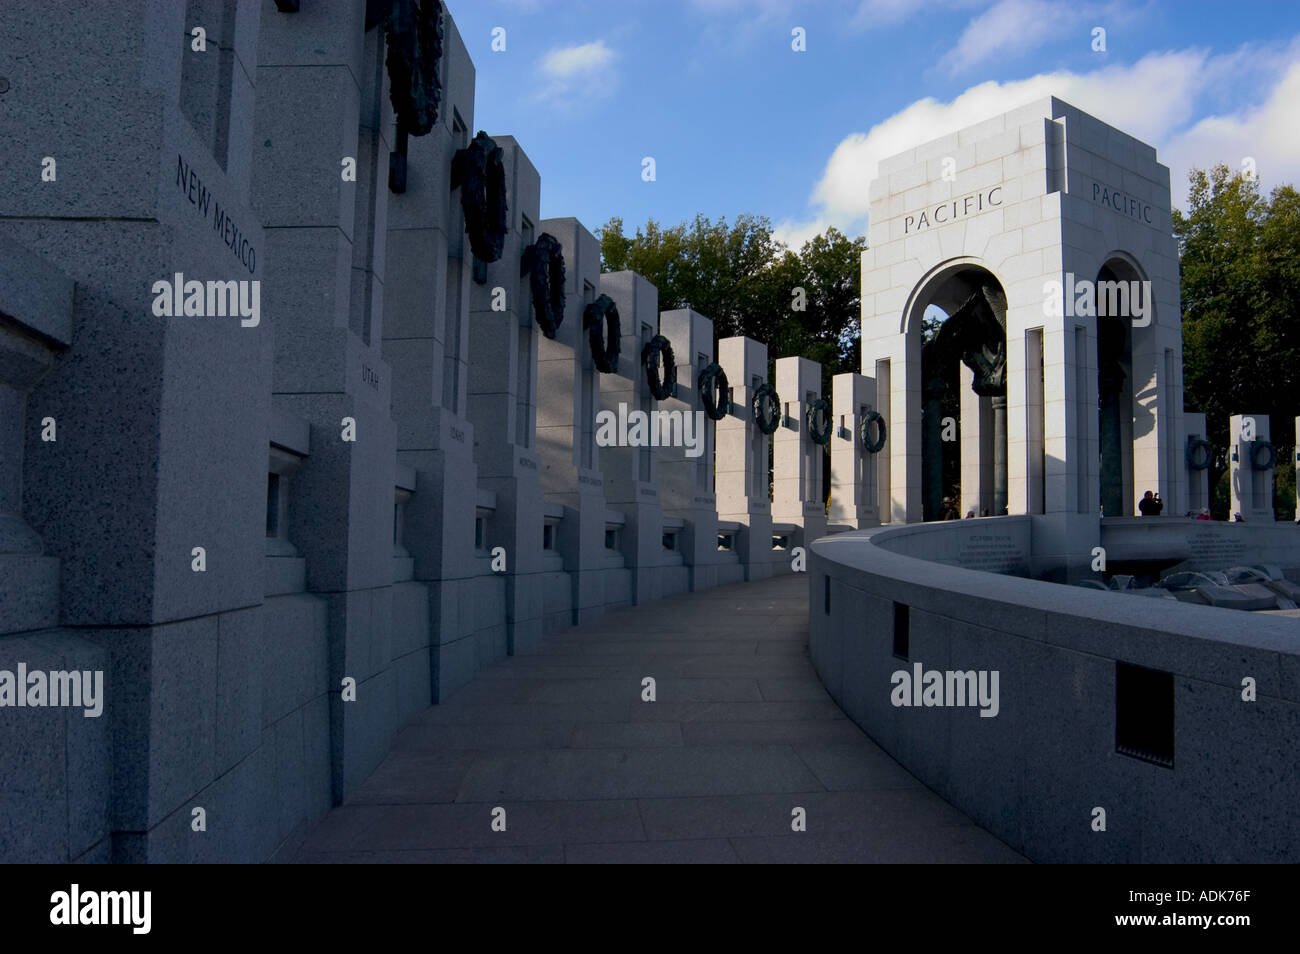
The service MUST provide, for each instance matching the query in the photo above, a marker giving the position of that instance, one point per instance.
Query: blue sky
(739, 122)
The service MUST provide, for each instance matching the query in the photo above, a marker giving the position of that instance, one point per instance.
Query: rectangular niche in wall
(902, 630)
(1144, 714)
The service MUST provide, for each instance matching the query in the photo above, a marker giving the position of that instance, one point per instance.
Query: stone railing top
(1161, 633)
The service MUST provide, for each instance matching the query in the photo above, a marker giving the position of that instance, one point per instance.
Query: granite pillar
(853, 503)
(743, 471)
(630, 478)
(503, 404)
(686, 473)
(1250, 485)
(799, 461)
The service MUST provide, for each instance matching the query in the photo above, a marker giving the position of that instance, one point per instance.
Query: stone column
(854, 493)
(1198, 481)
(630, 470)
(568, 396)
(325, 241)
(932, 444)
(799, 461)
(998, 405)
(503, 402)
(976, 435)
(426, 342)
(742, 457)
(1251, 488)
(686, 472)
(1113, 483)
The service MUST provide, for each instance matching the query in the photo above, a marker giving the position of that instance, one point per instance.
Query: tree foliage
(1240, 271)
(749, 283)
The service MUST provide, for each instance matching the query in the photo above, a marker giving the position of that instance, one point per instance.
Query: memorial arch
(1042, 238)
(963, 388)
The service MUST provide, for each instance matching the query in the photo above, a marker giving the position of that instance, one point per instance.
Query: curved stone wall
(1210, 777)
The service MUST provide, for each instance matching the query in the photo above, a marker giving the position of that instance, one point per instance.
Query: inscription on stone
(959, 208)
(591, 481)
(1214, 549)
(991, 552)
(201, 197)
(528, 462)
(457, 435)
(1121, 203)
(368, 375)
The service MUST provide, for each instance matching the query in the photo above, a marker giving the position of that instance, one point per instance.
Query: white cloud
(576, 74)
(880, 14)
(765, 9)
(1009, 28)
(577, 61)
(1154, 99)
(1267, 133)
(794, 234)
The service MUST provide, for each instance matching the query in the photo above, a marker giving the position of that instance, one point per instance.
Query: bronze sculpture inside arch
(975, 334)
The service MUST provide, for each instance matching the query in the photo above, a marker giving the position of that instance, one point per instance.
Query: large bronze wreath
(543, 263)
(480, 172)
(414, 37)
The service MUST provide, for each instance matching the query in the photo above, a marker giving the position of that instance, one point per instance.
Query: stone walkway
(742, 732)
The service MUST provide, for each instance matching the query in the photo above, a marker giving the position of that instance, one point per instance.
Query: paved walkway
(742, 732)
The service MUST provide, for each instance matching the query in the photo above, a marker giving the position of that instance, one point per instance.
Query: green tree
(749, 283)
(1240, 272)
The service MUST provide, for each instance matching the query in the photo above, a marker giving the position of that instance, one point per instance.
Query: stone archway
(1119, 293)
(964, 376)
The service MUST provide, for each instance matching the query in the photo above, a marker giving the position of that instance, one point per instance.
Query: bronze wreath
(413, 32)
(712, 386)
(543, 263)
(873, 417)
(767, 420)
(819, 435)
(600, 319)
(479, 170)
(1198, 453)
(656, 349)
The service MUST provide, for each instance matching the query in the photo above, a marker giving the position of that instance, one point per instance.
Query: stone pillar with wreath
(798, 460)
(519, 281)
(685, 469)
(858, 435)
(742, 457)
(568, 397)
(622, 326)
(1251, 459)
